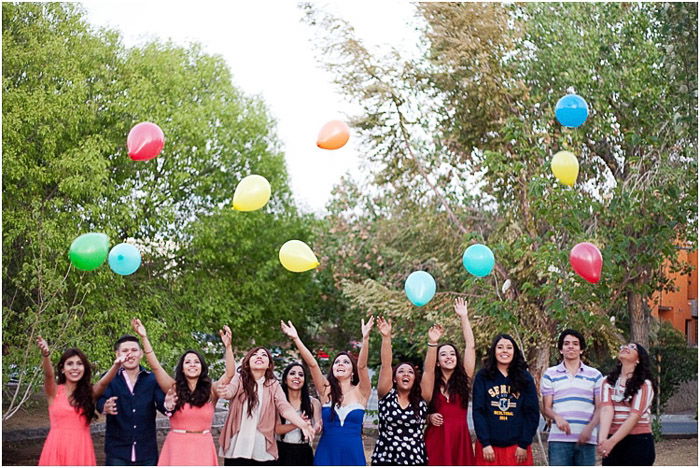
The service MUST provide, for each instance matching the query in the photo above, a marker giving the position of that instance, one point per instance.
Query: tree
(430, 130)
(70, 95)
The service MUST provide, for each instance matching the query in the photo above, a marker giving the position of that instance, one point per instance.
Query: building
(680, 307)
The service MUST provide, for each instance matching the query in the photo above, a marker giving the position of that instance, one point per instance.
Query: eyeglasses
(631, 346)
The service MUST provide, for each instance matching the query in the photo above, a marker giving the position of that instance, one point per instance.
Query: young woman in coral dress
(191, 397)
(71, 406)
(447, 438)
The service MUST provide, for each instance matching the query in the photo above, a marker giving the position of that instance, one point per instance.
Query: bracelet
(45, 355)
(148, 352)
(433, 345)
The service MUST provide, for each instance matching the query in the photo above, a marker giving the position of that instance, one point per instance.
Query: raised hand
(289, 330)
(43, 346)
(461, 308)
(384, 327)
(435, 333)
(170, 399)
(110, 406)
(138, 327)
(366, 327)
(226, 336)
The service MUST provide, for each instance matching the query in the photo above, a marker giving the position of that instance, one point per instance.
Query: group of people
(422, 418)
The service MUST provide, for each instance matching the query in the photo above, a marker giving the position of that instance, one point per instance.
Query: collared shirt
(639, 404)
(573, 398)
(132, 431)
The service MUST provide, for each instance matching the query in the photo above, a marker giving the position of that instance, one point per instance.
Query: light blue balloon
(124, 259)
(478, 260)
(571, 110)
(419, 287)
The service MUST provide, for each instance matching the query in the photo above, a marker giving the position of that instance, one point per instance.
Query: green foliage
(470, 127)
(70, 95)
(673, 361)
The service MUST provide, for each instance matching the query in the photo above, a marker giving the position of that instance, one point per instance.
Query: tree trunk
(540, 364)
(640, 319)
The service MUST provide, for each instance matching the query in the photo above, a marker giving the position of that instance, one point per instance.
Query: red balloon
(145, 141)
(587, 261)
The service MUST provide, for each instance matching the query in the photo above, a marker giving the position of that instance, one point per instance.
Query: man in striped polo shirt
(571, 397)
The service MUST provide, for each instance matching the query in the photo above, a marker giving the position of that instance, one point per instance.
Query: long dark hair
(642, 372)
(414, 396)
(517, 369)
(457, 384)
(202, 392)
(305, 398)
(82, 394)
(248, 381)
(336, 391)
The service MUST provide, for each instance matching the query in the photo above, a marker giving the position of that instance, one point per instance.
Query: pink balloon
(145, 141)
(587, 261)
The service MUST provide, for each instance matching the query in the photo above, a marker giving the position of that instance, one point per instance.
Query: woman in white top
(293, 449)
(344, 395)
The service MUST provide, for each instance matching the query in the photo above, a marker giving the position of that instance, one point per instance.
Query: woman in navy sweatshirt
(505, 407)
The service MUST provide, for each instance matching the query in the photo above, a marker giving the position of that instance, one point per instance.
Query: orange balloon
(333, 135)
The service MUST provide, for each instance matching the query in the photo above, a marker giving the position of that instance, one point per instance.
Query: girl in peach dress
(191, 398)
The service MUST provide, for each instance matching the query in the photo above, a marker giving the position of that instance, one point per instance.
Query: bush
(678, 363)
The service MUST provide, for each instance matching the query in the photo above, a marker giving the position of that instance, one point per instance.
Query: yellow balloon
(296, 256)
(565, 167)
(251, 194)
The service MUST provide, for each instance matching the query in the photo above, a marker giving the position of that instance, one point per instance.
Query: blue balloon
(124, 259)
(419, 287)
(571, 110)
(478, 260)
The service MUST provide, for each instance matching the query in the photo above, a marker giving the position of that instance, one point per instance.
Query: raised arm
(384, 384)
(47, 367)
(320, 382)
(226, 337)
(162, 377)
(99, 388)
(427, 382)
(365, 385)
(469, 348)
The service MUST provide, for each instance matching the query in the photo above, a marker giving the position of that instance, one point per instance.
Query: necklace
(619, 391)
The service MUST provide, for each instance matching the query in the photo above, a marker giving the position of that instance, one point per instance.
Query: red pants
(504, 455)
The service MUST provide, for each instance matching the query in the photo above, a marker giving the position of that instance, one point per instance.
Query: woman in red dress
(447, 439)
(71, 406)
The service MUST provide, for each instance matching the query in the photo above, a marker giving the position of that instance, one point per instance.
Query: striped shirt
(639, 404)
(573, 398)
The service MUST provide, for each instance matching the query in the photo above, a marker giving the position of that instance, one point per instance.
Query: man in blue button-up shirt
(130, 403)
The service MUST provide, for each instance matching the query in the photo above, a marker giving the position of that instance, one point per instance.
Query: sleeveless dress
(400, 439)
(341, 440)
(69, 441)
(190, 448)
(450, 443)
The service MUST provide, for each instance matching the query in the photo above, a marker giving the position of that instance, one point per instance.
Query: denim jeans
(115, 461)
(571, 453)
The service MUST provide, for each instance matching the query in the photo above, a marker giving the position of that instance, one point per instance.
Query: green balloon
(89, 251)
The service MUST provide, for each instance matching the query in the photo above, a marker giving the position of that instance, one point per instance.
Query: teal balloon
(124, 259)
(88, 251)
(478, 260)
(571, 110)
(420, 288)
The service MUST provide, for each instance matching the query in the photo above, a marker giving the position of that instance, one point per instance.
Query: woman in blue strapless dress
(344, 395)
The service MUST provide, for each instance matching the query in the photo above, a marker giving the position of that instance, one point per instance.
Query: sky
(271, 54)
